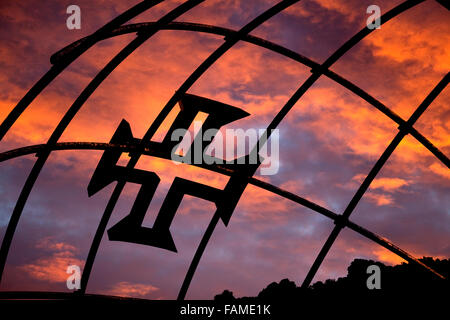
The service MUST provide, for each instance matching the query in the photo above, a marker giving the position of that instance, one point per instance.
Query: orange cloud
(264, 208)
(52, 268)
(127, 289)
(381, 184)
(389, 184)
(339, 119)
(439, 169)
(340, 6)
(386, 184)
(405, 40)
(380, 199)
(387, 256)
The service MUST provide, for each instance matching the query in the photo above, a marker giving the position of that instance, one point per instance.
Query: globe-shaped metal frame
(144, 31)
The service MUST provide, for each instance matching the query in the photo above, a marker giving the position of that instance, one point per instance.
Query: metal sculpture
(130, 228)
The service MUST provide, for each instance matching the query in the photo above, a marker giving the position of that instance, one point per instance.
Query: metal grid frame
(145, 31)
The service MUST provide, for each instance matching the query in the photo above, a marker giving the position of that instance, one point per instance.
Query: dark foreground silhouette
(404, 280)
(406, 292)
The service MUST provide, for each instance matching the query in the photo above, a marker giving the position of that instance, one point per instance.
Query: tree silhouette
(403, 279)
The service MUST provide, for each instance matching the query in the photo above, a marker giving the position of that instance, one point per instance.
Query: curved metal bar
(322, 71)
(61, 64)
(317, 72)
(85, 94)
(347, 223)
(371, 176)
(288, 106)
(228, 44)
(196, 27)
(61, 146)
(306, 85)
(391, 247)
(11, 154)
(393, 116)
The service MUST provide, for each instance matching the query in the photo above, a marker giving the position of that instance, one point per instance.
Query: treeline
(401, 280)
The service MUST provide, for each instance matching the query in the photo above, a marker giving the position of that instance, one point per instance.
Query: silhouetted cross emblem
(130, 228)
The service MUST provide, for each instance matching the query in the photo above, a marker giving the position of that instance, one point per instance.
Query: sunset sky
(329, 142)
